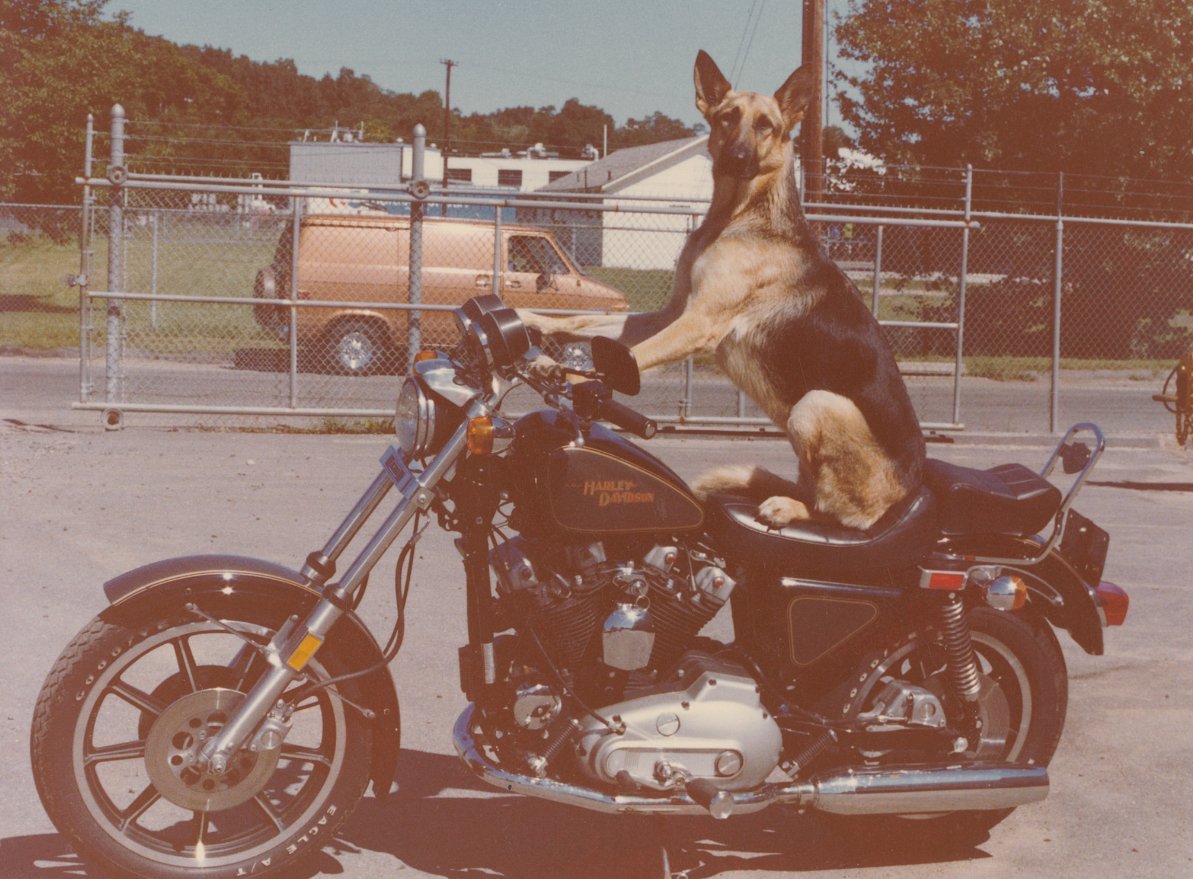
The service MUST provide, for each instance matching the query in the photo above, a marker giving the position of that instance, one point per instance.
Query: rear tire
(121, 716)
(1018, 652)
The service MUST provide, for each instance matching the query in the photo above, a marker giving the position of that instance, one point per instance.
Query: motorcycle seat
(1008, 499)
(823, 549)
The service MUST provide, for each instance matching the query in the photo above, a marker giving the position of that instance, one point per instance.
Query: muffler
(886, 790)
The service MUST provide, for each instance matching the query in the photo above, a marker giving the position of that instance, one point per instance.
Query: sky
(629, 57)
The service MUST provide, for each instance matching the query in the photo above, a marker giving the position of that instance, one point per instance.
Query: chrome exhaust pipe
(887, 790)
(904, 790)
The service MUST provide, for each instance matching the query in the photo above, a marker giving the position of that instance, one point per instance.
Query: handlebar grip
(628, 419)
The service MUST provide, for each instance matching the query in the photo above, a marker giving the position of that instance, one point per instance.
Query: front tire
(121, 716)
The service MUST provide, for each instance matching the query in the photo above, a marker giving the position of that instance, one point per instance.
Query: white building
(676, 173)
(388, 164)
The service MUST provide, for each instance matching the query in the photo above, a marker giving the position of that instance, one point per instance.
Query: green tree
(1089, 86)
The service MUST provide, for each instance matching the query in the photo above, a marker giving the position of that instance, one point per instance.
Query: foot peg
(718, 802)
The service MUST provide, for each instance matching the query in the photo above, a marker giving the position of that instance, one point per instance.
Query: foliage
(63, 59)
(1088, 86)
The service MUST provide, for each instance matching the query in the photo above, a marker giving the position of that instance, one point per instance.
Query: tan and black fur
(754, 286)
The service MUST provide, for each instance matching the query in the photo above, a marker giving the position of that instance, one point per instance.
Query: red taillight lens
(1114, 601)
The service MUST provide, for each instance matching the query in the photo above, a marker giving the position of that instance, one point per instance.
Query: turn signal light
(424, 355)
(480, 435)
(1114, 601)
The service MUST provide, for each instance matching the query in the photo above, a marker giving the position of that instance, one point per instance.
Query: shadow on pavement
(437, 823)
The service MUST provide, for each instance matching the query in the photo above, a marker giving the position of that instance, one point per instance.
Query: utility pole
(812, 129)
(447, 121)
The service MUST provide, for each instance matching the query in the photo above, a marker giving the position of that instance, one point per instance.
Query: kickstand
(667, 848)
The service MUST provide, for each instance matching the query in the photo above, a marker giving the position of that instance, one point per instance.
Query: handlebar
(627, 419)
(592, 399)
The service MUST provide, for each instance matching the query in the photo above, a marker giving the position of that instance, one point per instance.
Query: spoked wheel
(1021, 706)
(122, 718)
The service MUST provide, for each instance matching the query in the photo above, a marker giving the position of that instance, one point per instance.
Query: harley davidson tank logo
(616, 491)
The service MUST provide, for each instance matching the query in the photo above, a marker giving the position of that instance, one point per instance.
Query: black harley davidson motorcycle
(224, 715)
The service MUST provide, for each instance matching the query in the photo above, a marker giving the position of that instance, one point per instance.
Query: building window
(509, 177)
(552, 176)
(459, 175)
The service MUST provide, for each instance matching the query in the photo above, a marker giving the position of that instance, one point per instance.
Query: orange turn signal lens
(480, 435)
(424, 355)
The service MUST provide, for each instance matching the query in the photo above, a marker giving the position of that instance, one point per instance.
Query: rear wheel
(120, 721)
(1022, 706)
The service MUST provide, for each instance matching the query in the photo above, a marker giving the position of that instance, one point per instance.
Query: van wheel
(357, 347)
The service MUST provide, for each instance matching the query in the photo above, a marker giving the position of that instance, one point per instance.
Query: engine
(620, 637)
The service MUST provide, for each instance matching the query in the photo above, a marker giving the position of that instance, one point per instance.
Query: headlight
(414, 420)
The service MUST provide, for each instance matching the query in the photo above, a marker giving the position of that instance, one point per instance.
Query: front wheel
(125, 710)
(1022, 707)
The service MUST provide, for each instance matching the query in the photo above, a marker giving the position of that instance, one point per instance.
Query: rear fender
(166, 586)
(1054, 588)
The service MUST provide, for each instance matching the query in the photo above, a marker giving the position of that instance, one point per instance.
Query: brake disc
(172, 754)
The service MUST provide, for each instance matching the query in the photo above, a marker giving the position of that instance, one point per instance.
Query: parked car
(363, 262)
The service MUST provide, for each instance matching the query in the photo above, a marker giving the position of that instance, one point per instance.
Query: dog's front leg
(693, 332)
(629, 329)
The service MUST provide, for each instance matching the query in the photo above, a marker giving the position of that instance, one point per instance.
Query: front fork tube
(291, 649)
(477, 499)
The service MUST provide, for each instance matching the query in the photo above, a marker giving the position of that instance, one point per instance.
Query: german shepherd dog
(753, 285)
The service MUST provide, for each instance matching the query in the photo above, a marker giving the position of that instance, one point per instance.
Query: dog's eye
(763, 126)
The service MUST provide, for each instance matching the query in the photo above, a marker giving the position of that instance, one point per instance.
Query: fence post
(113, 367)
(417, 179)
(877, 270)
(85, 268)
(153, 270)
(961, 288)
(496, 250)
(1057, 282)
(295, 234)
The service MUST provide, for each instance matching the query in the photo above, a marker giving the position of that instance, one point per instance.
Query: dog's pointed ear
(796, 94)
(711, 85)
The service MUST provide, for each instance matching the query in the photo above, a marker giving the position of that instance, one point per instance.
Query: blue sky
(630, 58)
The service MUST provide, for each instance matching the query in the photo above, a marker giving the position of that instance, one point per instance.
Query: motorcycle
(223, 715)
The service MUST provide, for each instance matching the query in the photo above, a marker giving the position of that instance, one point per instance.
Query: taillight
(1114, 601)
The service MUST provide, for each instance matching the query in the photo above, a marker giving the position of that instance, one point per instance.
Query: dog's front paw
(545, 369)
(777, 512)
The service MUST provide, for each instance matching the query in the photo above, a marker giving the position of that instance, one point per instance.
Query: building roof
(625, 166)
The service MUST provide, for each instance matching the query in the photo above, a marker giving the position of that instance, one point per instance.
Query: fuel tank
(602, 485)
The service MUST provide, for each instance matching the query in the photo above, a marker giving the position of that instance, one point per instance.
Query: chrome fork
(293, 647)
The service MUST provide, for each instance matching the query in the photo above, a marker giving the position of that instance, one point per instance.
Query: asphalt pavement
(79, 505)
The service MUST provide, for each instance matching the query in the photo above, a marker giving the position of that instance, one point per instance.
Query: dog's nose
(742, 161)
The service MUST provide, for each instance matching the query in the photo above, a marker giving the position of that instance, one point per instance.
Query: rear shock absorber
(958, 644)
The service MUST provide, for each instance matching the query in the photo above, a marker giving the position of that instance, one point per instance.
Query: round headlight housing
(414, 420)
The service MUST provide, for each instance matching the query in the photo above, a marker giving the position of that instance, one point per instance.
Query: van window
(530, 253)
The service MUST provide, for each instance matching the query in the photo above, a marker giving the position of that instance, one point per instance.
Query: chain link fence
(229, 298)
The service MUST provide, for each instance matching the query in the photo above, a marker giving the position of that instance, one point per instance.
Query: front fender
(161, 587)
(1054, 587)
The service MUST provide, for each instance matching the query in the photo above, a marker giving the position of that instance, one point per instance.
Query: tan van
(363, 261)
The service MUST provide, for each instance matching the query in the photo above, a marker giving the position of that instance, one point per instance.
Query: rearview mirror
(616, 363)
